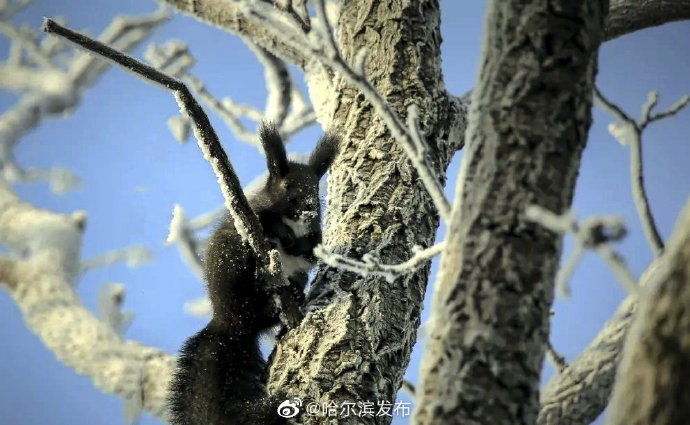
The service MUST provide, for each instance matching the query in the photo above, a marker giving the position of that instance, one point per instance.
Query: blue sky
(134, 172)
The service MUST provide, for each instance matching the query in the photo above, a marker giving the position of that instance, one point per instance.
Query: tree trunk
(528, 123)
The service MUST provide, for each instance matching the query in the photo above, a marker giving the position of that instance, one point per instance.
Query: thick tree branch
(228, 16)
(529, 118)
(651, 384)
(579, 393)
(626, 16)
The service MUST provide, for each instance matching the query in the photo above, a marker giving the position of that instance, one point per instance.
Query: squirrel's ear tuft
(324, 153)
(274, 149)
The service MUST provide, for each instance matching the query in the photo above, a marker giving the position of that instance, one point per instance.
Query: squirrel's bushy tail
(220, 380)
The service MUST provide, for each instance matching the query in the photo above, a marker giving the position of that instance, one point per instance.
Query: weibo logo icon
(289, 408)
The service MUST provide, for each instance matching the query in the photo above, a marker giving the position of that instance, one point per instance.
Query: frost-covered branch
(228, 15)
(133, 256)
(52, 88)
(371, 266)
(321, 45)
(43, 290)
(181, 235)
(245, 221)
(628, 131)
(489, 325)
(595, 233)
(175, 59)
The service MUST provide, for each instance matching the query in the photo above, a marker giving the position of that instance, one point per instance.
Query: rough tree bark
(528, 123)
(652, 380)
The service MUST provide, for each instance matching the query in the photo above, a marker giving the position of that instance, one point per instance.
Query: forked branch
(628, 131)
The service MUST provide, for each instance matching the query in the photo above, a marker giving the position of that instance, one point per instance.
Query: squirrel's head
(287, 202)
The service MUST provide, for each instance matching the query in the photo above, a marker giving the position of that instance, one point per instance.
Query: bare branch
(245, 221)
(408, 388)
(44, 292)
(278, 85)
(181, 235)
(174, 58)
(228, 15)
(369, 265)
(10, 8)
(111, 296)
(594, 233)
(28, 42)
(671, 111)
(629, 132)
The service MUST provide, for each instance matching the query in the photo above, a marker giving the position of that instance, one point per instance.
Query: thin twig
(369, 265)
(557, 360)
(408, 388)
(245, 221)
(632, 135)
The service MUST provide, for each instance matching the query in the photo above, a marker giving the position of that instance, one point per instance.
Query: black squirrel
(221, 374)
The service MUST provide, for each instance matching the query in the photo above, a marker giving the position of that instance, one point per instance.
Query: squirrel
(221, 374)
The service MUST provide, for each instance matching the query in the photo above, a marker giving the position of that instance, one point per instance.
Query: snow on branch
(370, 265)
(51, 84)
(285, 105)
(182, 235)
(595, 233)
(628, 131)
(321, 45)
(245, 221)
